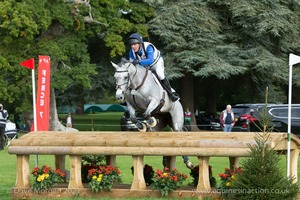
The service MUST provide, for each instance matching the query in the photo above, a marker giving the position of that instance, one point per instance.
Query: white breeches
(159, 68)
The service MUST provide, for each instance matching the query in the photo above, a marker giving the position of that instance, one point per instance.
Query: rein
(143, 81)
(138, 87)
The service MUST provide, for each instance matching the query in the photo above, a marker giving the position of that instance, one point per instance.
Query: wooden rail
(201, 144)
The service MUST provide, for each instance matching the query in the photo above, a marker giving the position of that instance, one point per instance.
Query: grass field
(100, 122)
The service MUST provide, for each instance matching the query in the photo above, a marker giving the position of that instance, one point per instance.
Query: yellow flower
(46, 176)
(100, 177)
(41, 178)
(228, 184)
(232, 177)
(165, 174)
(94, 177)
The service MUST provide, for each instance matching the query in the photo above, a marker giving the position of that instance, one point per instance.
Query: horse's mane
(123, 61)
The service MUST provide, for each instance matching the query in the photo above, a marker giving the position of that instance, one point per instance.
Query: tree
(191, 39)
(223, 43)
(63, 30)
(262, 178)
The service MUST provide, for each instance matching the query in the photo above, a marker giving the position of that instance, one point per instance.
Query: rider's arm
(150, 57)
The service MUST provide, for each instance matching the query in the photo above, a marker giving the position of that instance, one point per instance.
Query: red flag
(28, 63)
(43, 94)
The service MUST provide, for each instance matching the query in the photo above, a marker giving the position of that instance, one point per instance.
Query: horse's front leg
(152, 105)
(132, 113)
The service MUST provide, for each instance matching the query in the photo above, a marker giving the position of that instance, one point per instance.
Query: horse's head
(122, 79)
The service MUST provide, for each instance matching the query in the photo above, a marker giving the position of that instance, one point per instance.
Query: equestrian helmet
(135, 38)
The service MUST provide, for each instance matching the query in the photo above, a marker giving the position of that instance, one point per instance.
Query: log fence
(201, 144)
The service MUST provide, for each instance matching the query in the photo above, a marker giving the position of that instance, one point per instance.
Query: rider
(146, 55)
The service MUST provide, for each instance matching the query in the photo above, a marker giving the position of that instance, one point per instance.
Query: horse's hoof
(142, 127)
(152, 122)
(189, 165)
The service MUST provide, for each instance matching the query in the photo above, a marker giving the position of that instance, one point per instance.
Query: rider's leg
(159, 69)
(166, 85)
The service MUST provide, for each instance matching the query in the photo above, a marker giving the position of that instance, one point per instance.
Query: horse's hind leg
(177, 124)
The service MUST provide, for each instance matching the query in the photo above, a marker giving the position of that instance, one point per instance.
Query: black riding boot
(166, 85)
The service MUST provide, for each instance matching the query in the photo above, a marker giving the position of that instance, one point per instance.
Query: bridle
(118, 86)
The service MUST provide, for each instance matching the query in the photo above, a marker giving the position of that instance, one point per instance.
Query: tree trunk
(211, 99)
(187, 97)
(54, 124)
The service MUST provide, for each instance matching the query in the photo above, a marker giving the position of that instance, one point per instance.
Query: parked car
(208, 121)
(126, 124)
(278, 114)
(244, 120)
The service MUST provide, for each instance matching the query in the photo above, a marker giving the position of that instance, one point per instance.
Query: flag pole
(289, 122)
(293, 59)
(34, 110)
(30, 65)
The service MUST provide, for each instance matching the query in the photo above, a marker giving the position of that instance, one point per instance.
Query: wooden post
(111, 160)
(170, 162)
(294, 164)
(138, 182)
(203, 181)
(23, 172)
(75, 172)
(233, 162)
(60, 162)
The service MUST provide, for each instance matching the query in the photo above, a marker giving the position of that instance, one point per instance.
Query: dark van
(278, 114)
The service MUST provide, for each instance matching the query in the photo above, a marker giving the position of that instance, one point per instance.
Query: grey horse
(144, 94)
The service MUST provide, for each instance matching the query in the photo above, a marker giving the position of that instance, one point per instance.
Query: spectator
(69, 121)
(17, 120)
(187, 119)
(252, 121)
(227, 119)
(3, 118)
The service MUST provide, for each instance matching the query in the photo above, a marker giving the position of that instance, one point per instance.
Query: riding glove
(135, 62)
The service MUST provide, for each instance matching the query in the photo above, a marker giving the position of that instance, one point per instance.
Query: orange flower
(46, 169)
(175, 178)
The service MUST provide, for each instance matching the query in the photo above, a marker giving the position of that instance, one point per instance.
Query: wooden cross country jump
(136, 144)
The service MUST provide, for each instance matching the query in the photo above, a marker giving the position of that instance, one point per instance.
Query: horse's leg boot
(166, 85)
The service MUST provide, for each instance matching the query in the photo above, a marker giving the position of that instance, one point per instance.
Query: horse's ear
(115, 65)
(124, 60)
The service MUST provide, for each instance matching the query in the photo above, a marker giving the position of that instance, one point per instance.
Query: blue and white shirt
(147, 55)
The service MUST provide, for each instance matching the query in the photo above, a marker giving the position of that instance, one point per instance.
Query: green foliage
(64, 30)
(194, 42)
(261, 177)
(226, 43)
(93, 159)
